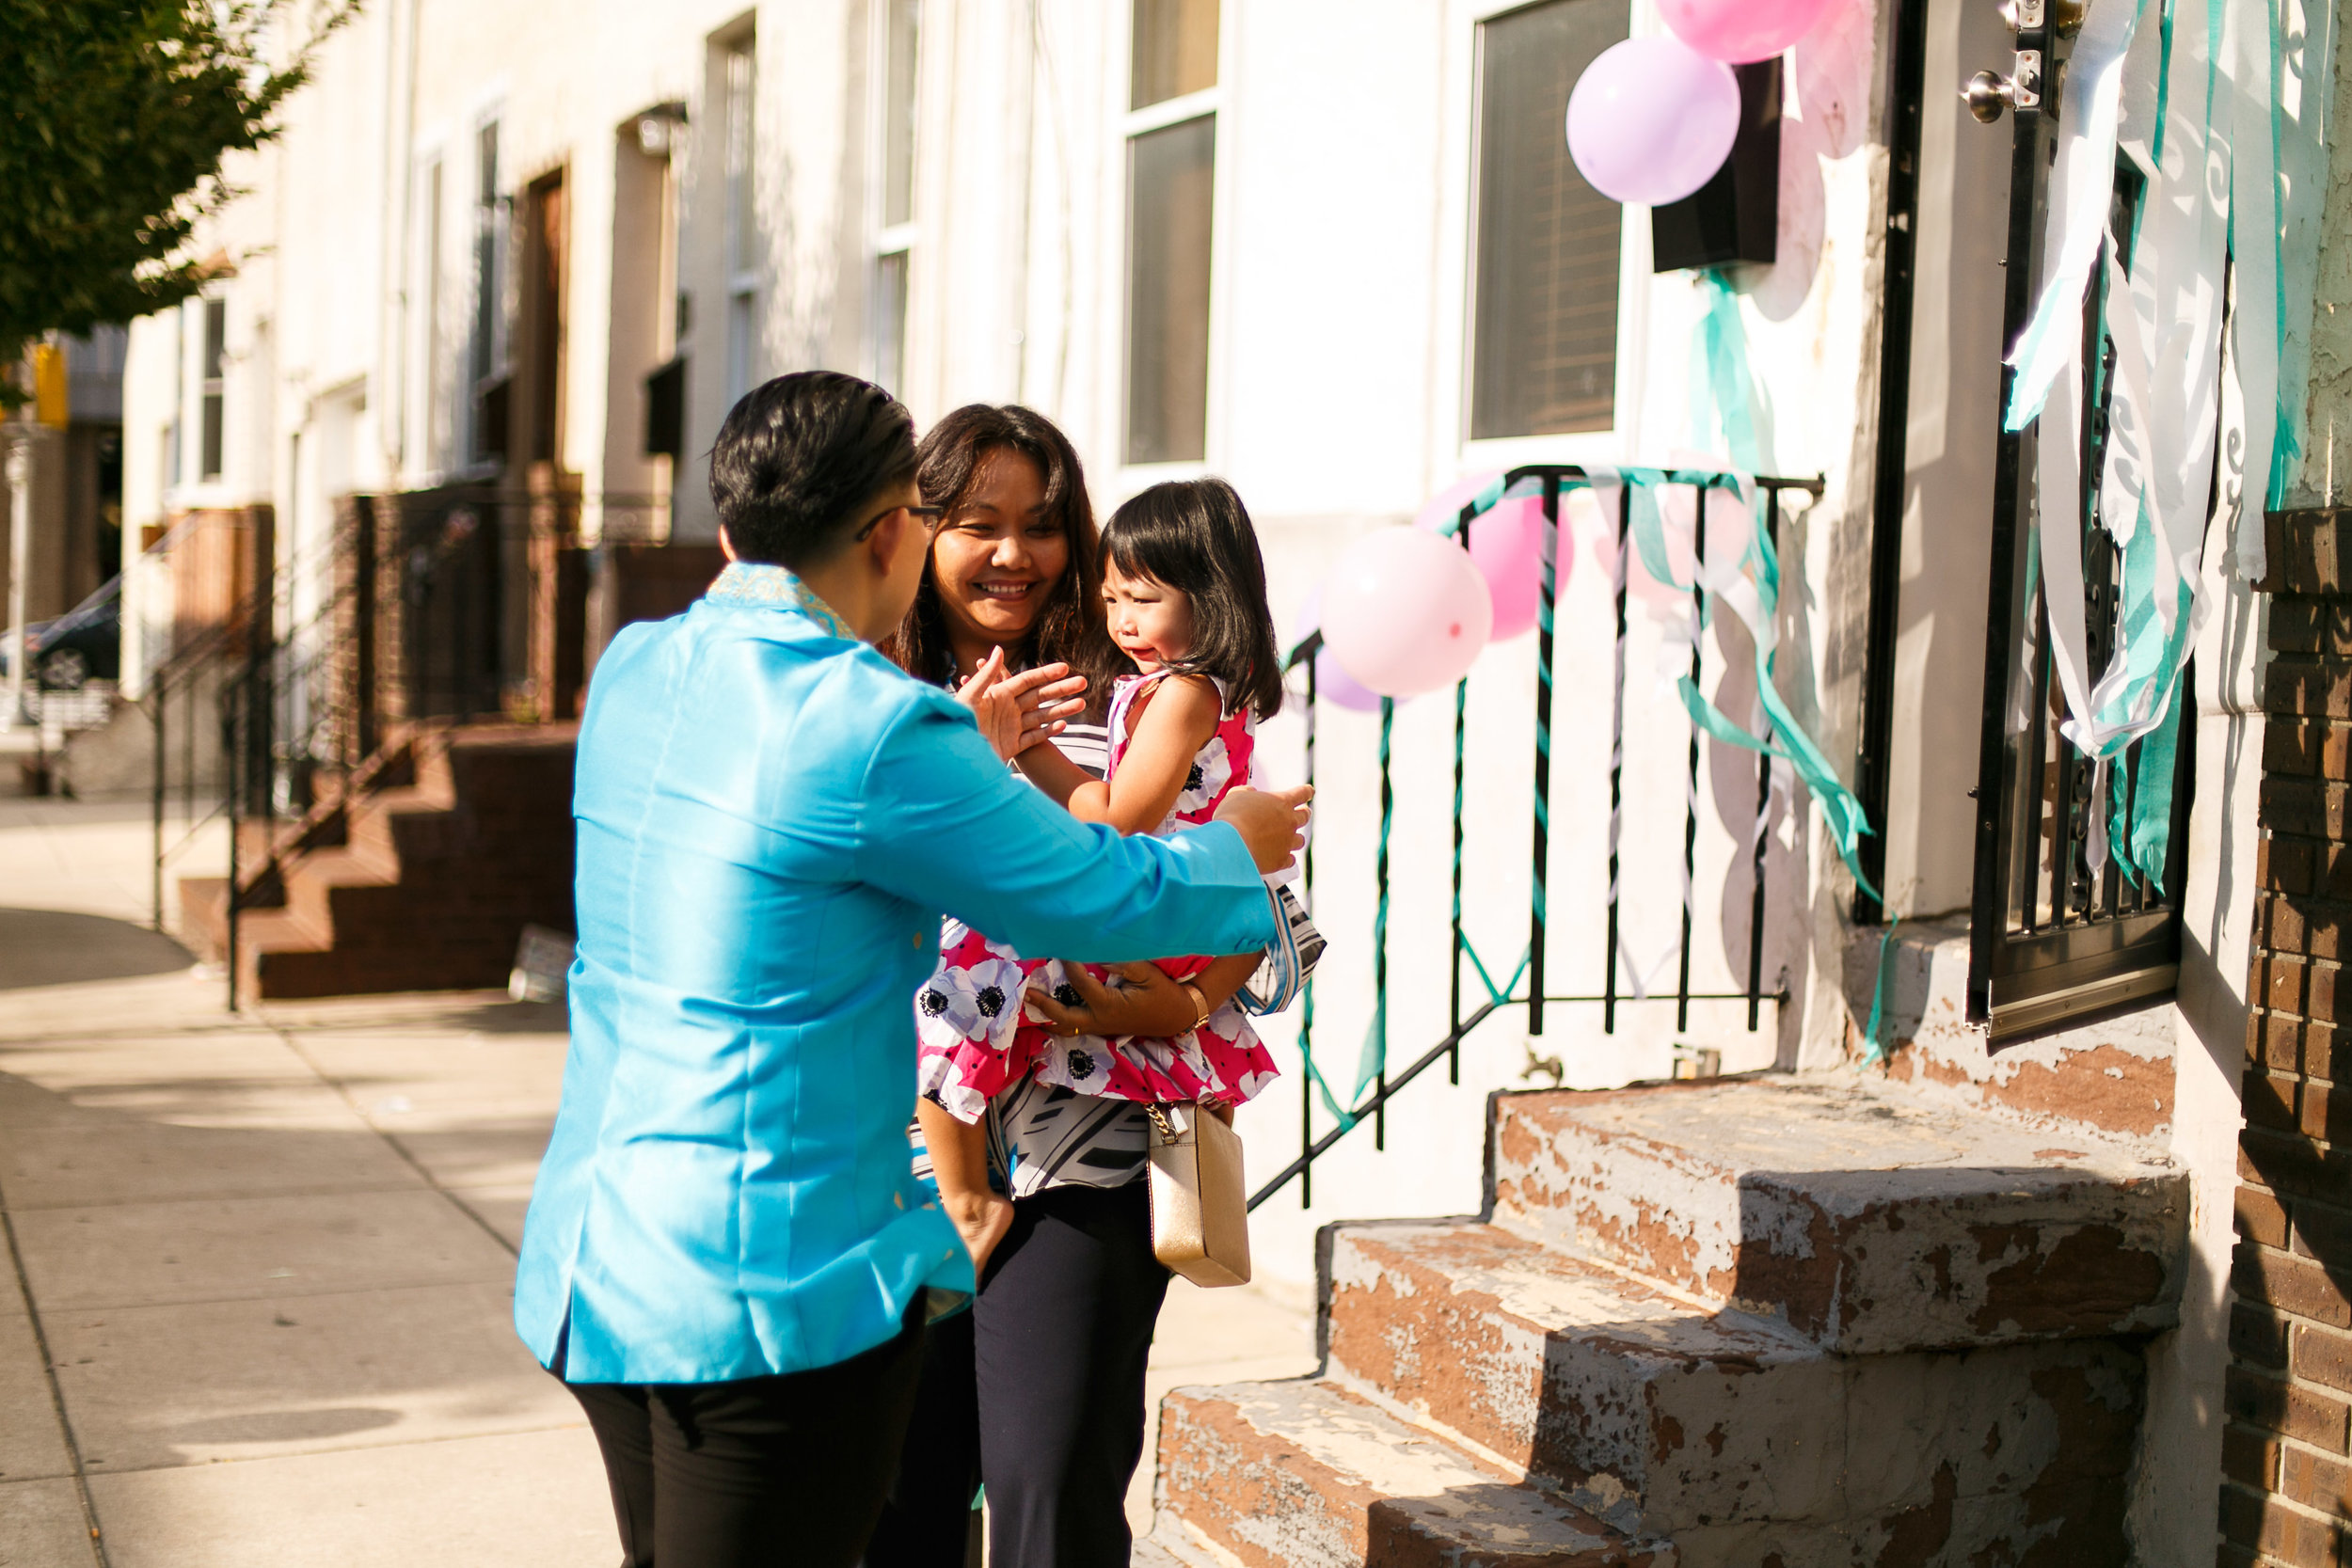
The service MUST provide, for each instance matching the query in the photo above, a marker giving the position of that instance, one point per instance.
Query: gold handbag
(1200, 1213)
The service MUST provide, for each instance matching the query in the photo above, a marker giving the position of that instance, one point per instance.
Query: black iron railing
(425, 608)
(248, 708)
(1555, 480)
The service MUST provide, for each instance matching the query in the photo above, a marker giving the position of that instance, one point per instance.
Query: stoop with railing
(1531, 982)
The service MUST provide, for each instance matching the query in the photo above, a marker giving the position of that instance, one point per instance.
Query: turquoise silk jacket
(771, 820)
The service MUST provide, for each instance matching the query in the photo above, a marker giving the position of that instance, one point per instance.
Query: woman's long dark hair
(1196, 536)
(1070, 629)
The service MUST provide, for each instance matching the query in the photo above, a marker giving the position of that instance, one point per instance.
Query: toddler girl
(1184, 590)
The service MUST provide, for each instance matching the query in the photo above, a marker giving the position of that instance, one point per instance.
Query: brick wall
(2286, 1495)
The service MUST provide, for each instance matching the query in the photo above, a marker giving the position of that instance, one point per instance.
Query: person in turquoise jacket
(727, 1256)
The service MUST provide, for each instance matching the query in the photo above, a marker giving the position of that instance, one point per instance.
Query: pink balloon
(1407, 613)
(1651, 120)
(1741, 31)
(1446, 505)
(1333, 684)
(1507, 547)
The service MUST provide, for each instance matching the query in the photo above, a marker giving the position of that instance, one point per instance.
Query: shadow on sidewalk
(56, 947)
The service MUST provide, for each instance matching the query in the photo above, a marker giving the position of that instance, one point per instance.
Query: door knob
(1987, 94)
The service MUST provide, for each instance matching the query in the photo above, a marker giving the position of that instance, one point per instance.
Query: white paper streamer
(2081, 187)
(2184, 239)
(2122, 487)
(2254, 193)
(2216, 163)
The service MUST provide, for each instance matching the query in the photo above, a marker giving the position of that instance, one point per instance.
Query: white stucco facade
(1339, 354)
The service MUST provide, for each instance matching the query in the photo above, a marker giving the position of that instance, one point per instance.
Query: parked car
(83, 644)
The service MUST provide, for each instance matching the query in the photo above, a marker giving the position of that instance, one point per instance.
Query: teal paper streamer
(1840, 808)
(1725, 339)
(2151, 802)
(1873, 1032)
(2118, 826)
(1842, 811)
(1495, 993)
(1340, 1114)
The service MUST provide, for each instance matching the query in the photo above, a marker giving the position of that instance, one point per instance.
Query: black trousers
(930, 1521)
(1055, 1412)
(759, 1471)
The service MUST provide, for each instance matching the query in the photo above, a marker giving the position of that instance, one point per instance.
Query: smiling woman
(1015, 564)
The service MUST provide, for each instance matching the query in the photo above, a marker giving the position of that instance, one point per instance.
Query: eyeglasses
(927, 516)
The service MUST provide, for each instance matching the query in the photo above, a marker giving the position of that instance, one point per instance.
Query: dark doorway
(546, 260)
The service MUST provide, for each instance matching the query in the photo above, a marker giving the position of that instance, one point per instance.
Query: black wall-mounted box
(1736, 215)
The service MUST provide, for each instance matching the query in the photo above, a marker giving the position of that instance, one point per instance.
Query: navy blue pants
(1046, 1404)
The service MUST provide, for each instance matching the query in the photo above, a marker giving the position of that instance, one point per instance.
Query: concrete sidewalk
(256, 1311)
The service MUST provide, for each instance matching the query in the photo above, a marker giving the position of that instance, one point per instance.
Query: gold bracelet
(1200, 1005)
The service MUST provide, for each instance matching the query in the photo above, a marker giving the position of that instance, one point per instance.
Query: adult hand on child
(1150, 1004)
(1273, 822)
(1016, 712)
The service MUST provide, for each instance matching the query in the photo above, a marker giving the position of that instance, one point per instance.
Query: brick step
(1866, 1217)
(1947, 1530)
(2110, 1078)
(319, 885)
(410, 824)
(449, 843)
(1304, 1474)
(306, 889)
(201, 900)
(1154, 1551)
(1660, 1417)
(305, 967)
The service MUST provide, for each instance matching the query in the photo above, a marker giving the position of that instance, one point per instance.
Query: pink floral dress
(975, 1039)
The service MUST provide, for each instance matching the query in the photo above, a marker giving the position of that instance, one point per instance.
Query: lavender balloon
(1652, 119)
(1333, 684)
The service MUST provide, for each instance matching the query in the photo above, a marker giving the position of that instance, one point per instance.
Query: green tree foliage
(114, 118)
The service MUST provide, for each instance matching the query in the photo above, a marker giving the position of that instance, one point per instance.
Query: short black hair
(799, 455)
(1196, 536)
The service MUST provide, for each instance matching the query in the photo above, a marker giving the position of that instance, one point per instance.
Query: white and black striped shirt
(1043, 1135)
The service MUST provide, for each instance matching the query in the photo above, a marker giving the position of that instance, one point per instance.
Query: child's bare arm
(959, 1153)
(1045, 765)
(1170, 725)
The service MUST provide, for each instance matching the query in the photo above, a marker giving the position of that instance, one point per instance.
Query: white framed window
(896, 55)
(213, 389)
(743, 217)
(169, 475)
(1171, 134)
(1546, 249)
